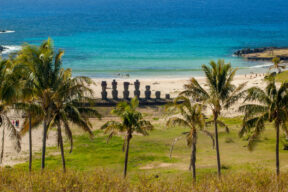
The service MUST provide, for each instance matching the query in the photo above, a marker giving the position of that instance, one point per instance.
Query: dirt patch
(155, 166)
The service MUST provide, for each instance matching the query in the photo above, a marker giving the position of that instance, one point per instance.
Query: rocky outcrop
(245, 51)
(2, 48)
(263, 54)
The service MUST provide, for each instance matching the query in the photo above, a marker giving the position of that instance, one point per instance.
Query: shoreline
(163, 78)
(258, 69)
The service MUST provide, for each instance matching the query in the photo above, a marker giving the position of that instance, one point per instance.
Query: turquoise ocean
(145, 38)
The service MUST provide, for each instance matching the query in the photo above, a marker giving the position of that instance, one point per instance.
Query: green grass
(282, 77)
(150, 154)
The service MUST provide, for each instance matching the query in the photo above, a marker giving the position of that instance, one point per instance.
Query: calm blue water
(102, 38)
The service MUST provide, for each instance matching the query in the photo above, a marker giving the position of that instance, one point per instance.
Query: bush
(284, 141)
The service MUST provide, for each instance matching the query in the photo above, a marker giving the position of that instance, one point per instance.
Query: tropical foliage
(10, 84)
(277, 64)
(56, 95)
(218, 94)
(131, 122)
(269, 105)
(68, 107)
(192, 118)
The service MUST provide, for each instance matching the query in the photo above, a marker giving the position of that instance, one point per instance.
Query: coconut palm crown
(277, 64)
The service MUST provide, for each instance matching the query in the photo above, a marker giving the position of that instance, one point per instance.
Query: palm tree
(220, 93)
(31, 109)
(43, 69)
(276, 64)
(29, 106)
(55, 91)
(192, 118)
(269, 105)
(68, 107)
(131, 121)
(10, 84)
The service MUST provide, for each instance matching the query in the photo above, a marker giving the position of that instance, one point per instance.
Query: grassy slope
(153, 152)
(282, 77)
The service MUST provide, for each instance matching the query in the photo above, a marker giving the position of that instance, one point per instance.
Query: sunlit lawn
(150, 154)
(282, 77)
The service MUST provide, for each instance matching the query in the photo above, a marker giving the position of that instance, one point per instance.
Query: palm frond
(237, 94)
(211, 137)
(14, 134)
(195, 90)
(174, 121)
(220, 123)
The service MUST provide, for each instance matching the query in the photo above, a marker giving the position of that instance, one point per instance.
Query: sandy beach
(172, 86)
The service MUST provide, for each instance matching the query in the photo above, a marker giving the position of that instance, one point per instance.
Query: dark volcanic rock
(248, 50)
(2, 48)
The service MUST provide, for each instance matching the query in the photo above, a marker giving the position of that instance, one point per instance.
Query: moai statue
(126, 90)
(137, 91)
(104, 92)
(114, 90)
(158, 94)
(167, 96)
(147, 93)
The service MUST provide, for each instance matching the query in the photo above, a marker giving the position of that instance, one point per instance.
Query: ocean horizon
(112, 39)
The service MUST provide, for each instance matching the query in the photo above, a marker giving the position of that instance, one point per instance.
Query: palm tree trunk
(217, 145)
(30, 144)
(44, 144)
(193, 161)
(61, 147)
(2, 146)
(277, 149)
(126, 155)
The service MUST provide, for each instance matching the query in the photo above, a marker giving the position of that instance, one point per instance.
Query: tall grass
(101, 180)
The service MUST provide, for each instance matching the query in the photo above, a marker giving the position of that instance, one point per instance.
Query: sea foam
(10, 49)
(261, 66)
(8, 31)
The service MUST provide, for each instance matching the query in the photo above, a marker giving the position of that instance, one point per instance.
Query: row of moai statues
(126, 91)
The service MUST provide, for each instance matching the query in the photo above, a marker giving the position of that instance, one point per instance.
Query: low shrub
(101, 180)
